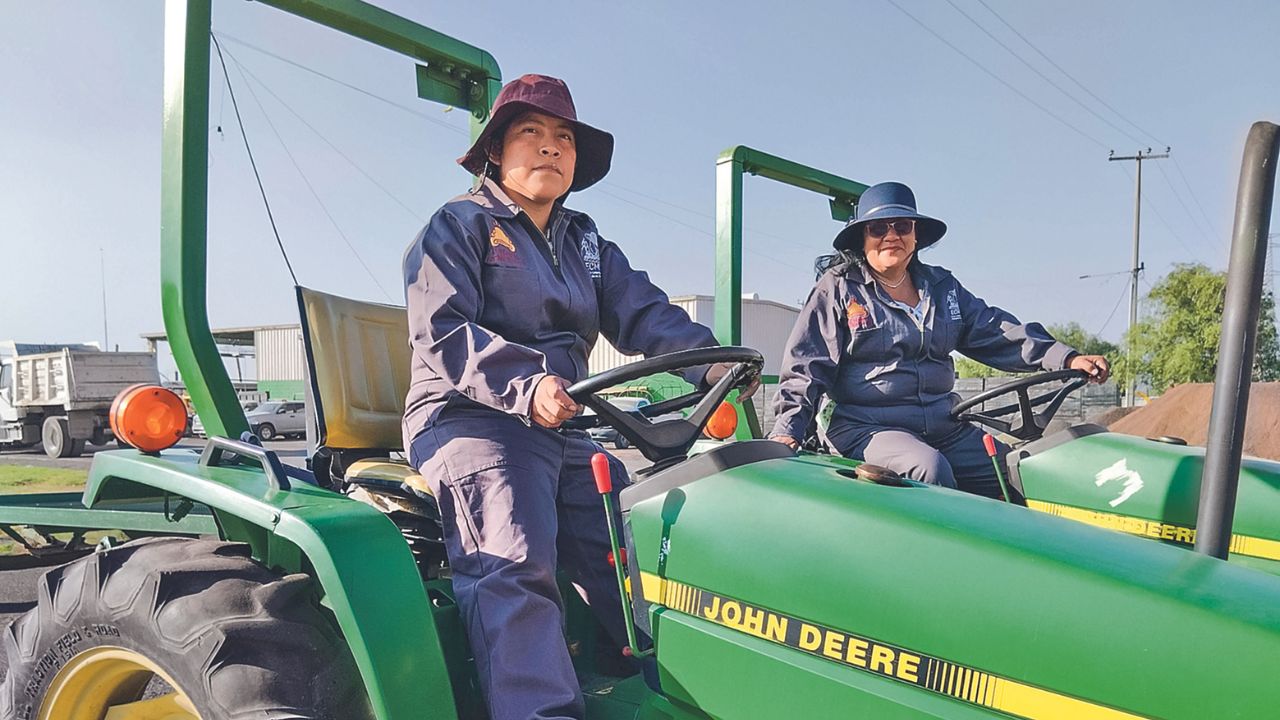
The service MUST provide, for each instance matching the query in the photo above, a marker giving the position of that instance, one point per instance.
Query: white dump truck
(60, 395)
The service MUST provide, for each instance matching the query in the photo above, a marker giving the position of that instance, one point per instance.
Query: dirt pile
(1183, 411)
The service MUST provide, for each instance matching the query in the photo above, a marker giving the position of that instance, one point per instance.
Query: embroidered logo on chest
(857, 315)
(590, 249)
(953, 304)
(498, 238)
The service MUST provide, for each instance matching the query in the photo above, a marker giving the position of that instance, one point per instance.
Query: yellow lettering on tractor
(777, 628)
(881, 659)
(810, 637)
(833, 645)
(856, 654)
(711, 612)
(909, 667)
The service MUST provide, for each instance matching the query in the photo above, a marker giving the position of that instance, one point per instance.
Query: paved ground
(18, 587)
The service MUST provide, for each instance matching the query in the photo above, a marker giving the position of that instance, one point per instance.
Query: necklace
(892, 286)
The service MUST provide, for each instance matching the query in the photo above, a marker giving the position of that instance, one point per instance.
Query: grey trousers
(516, 503)
(957, 459)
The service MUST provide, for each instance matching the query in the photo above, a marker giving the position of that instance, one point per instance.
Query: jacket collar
(490, 196)
(921, 274)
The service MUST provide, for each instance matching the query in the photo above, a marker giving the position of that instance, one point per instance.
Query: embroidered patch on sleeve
(953, 304)
(590, 249)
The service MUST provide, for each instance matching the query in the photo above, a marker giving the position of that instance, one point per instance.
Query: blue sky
(855, 88)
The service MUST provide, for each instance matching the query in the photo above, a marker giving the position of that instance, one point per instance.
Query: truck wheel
(55, 435)
(266, 431)
(194, 626)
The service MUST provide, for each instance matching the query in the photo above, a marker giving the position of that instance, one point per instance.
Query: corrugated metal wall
(280, 355)
(765, 327)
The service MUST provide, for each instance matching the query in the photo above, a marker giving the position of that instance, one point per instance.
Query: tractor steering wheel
(672, 438)
(1030, 424)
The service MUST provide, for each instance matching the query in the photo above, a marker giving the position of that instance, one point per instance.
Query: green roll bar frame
(448, 71)
(732, 164)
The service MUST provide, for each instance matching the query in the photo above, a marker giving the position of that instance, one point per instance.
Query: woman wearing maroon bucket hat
(507, 291)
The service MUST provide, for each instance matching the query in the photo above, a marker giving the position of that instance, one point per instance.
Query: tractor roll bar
(1238, 342)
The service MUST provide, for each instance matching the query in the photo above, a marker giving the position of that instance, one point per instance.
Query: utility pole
(102, 266)
(1136, 268)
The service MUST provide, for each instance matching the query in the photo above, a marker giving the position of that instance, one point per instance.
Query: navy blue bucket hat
(888, 201)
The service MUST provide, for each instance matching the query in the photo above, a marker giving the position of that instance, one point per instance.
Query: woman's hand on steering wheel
(786, 440)
(551, 404)
(719, 370)
(1095, 366)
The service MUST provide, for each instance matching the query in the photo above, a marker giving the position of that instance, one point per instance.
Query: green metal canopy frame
(448, 71)
(730, 167)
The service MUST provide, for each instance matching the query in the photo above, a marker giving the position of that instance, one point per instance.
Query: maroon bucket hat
(549, 96)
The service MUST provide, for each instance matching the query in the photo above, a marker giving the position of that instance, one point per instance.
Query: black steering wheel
(672, 438)
(1030, 424)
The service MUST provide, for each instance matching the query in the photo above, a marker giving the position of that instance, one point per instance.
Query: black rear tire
(239, 640)
(55, 436)
(621, 443)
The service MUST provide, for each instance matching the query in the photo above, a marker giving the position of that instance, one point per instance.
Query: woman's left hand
(719, 370)
(1095, 366)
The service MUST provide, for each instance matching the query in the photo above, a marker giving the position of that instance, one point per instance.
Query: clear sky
(1017, 169)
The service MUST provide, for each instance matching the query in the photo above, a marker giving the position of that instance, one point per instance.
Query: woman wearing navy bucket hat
(507, 292)
(876, 336)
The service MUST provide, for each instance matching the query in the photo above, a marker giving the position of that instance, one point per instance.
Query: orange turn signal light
(148, 417)
(723, 423)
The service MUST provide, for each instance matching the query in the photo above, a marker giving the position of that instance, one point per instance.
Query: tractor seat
(379, 471)
(358, 376)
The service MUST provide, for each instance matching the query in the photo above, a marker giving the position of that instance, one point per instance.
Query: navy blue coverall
(891, 376)
(495, 306)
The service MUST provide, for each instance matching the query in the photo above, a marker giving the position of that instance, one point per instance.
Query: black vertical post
(1238, 341)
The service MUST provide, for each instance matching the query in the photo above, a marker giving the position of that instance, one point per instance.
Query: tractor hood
(867, 599)
(1150, 489)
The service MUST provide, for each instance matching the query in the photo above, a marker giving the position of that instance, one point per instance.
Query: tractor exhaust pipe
(1237, 344)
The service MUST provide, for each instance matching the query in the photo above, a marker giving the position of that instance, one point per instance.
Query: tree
(1177, 339)
(1084, 341)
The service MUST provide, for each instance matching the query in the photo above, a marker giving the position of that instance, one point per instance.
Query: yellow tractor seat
(358, 375)
(386, 471)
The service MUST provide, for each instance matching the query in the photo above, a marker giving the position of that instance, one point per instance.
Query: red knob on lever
(600, 468)
(988, 442)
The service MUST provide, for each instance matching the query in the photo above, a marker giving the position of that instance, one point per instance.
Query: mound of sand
(1183, 411)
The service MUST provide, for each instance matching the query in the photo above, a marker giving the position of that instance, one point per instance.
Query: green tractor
(772, 585)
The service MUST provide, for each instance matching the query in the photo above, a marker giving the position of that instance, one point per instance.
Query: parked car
(270, 420)
(607, 434)
(197, 428)
(278, 418)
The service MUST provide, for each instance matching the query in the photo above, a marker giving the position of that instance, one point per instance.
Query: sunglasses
(879, 228)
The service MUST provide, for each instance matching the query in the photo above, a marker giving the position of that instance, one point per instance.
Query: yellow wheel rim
(104, 683)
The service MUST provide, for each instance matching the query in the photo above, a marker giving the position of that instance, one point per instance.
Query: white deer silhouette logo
(1120, 471)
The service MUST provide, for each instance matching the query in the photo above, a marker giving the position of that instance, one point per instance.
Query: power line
(1194, 197)
(1069, 76)
(310, 187)
(1123, 292)
(263, 191)
(1156, 211)
(461, 131)
(1042, 76)
(344, 83)
(698, 229)
(997, 78)
(1185, 208)
(241, 68)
